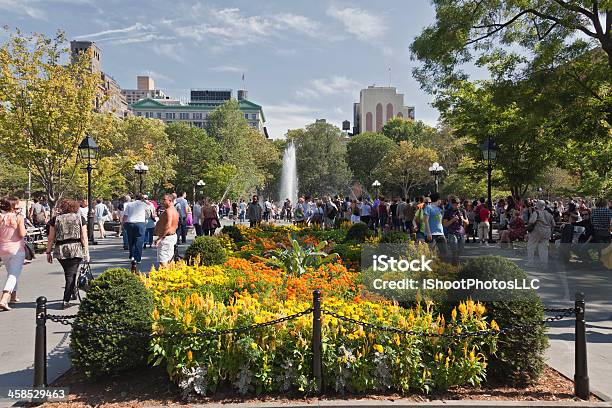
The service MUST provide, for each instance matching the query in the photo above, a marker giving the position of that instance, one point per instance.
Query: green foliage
(321, 159)
(394, 237)
(399, 129)
(117, 300)
(520, 354)
(234, 233)
(296, 259)
(363, 152)
(357, 233)
(205, 251)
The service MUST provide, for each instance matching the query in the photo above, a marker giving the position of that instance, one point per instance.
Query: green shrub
(358, 232)
(520, 354)
(234, 233)
(117, 300)
(206, 251)
(394, 237)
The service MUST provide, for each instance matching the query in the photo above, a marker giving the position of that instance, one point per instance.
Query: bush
(520, 354)
(117, 300)
(358, 232)
(234, 233)
(206, 251)
(395, 237)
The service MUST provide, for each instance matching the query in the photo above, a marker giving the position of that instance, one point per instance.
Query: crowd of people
(446, 223)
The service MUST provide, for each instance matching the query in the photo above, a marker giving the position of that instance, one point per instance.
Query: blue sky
(302, 60)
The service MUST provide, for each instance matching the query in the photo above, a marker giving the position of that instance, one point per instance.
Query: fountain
(289, 180)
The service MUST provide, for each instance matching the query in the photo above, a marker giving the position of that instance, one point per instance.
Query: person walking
(37, 214)
(165, 231)
(242, 208)
(197, 217)
(150, 223)
(601, 219)
(134, 219)
(455, 220)
(484, 213)
(101, 213)
(68, 243)
(541, 223)
(182, 207)
(254, 212)
(209, 218)
(12, 247)
(432, 219)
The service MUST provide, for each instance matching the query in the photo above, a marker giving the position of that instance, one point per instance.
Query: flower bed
(195, 300)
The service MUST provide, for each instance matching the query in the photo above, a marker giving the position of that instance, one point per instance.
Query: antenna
(389, 77)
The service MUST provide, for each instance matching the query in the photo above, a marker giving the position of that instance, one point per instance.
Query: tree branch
(576, 9)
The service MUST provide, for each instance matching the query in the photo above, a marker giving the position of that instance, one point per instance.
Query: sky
(301, 60)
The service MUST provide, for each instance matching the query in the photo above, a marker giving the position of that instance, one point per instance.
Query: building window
(254, 116)
(138, 113)
(246, 116)
(184, 115)
(197, 115)
(400, 115)
(170, 115)
(379, 117)
(369, 122)
(159, 115)
(389, 112)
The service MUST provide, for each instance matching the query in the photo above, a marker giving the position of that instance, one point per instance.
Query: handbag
(85, 277)
(30, 252)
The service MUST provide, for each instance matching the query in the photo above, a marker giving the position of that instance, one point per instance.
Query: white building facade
(377, 105)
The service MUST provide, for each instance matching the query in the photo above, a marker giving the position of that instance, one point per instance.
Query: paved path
(42, 279)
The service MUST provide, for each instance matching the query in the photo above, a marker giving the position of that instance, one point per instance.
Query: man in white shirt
(134, 221)
(101, 213)
(181, 204)
(84, 210)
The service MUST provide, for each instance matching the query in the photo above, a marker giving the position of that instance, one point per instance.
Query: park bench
(37, 236)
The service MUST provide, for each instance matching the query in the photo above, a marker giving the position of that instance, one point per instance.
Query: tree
(364, 151)
(321, 159)
(46, 107)
(406, 167)
(195, 150)
(417, 132)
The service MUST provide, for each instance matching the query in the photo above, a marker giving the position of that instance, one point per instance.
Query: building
(145, 88)
(109, 97)
(376, 106)
(202, 103)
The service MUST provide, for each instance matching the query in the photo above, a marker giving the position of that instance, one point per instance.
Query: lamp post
(200, 184)
(141, 169)
(435, 170)
(490, 154)
(376, 185)
(88, 152)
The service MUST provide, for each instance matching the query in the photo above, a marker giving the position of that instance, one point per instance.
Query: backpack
(332, 211)
(39, 216)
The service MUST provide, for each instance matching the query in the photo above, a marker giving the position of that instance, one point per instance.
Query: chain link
(65, 320)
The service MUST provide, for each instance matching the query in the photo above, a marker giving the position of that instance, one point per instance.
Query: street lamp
(490, 154)
(140, 168)
(376, 185)
(435, 170)
(200, 184)
(88, 153)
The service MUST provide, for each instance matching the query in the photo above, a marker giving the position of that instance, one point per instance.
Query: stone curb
(401, 403)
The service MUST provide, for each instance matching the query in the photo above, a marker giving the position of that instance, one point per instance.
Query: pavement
(42, 279)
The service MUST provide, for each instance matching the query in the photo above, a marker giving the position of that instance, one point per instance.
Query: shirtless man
(165, 230)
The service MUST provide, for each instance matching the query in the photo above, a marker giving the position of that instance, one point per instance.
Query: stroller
(84, 279)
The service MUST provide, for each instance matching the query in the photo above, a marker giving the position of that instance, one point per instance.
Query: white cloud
(283, 117)
(232, 28)
(228, 68)
(170, 51)
(336, 84)
(23, 7)
(137, 27)
(361, 23)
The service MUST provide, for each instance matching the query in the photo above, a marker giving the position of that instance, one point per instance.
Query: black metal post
(90, 212)
(316, 341)
(40, 343)
(436, 178)
(140, 180)
(581, 375)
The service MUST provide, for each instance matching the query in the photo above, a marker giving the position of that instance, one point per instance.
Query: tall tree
(321, 163)
(363, 153)
(405, 167)
(46, 109)
(398, 129)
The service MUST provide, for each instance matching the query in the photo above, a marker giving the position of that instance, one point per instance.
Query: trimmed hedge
(234, 233)
(357, 233)
(117, 300)
(520, 354)
(206, 251)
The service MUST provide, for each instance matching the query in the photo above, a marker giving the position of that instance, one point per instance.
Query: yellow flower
(447, 362)
(462, 309)
(254, 346)
(494, 325)
(480, 309)
(454, 314)
(189, 355)
(379, 348)
(155, 314)
(187, 318)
